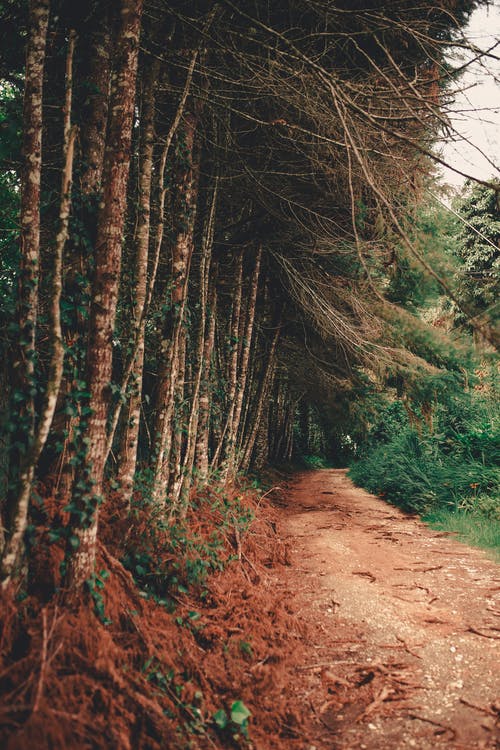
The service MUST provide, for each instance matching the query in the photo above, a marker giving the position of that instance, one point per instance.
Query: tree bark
(178, 427)
(203, 354)
(245, 357)
(157, 249)
(185, 208)
(235, 345)
(95, 72)
(128, 449)
(24, 367)
(201, 460)
(262, 397)
(111, 221)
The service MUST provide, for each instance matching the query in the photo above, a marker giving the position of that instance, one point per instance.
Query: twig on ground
(43, 663)
(381, 696)
(482, 709)
(444, 727)
(323, 665)
(421, 570)
(407, 648)
(261, 498)
(485, 635)
(364, 574)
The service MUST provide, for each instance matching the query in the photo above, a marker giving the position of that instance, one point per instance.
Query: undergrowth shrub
(450, 463)
(170, 556)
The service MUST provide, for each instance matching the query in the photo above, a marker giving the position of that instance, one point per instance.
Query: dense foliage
(478, 249)
(448, 458)
(438, 451)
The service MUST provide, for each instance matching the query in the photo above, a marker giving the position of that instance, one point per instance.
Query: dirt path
(405, 651)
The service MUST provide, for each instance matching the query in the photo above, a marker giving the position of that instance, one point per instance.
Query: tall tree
(87, 493)
(478, 248)
(22, 462)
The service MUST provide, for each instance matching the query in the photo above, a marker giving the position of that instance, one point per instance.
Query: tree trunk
(203, 354)
(24, 368)
(290, 431)
(111, 221)
(245, 356)
(156, 254)
(95, 70)
(203, 432)
(262, 397)
(128, 449)
(185, 208)
(261, 447)
(178, 427)
(229, 439)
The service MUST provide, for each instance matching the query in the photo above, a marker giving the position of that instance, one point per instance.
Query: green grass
(473, 528)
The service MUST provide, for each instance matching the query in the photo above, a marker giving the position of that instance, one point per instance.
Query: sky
(475, 113)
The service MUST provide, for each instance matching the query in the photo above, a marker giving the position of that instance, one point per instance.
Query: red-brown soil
(405, 651)
(341, 624)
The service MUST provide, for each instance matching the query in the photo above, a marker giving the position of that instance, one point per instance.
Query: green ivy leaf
(239, 713)
(220, 718)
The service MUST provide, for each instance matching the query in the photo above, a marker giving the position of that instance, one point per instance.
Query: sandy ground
(404, 650)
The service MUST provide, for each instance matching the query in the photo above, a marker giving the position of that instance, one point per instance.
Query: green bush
(453, 466)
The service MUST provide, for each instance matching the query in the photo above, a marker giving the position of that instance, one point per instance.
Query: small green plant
(246, 648)
(95, 586)
(172, 684)
(236, 722)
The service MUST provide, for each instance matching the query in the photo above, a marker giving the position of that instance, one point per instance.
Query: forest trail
(405, 646)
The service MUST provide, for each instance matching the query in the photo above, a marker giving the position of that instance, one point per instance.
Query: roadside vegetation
(437, 453)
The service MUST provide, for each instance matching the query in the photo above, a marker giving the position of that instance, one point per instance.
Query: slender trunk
(216, 411)
(178, 424)
(245, 356)
(110, 227)
(203, 356)
(234, 351)
(249, 398)
(261, 447)
(56, 336)
(290, 431)
(280, 421)
(262, 396)
(130, 439)
(290, 435)
(17, 510)
(203, 433)
(185, 208)
(275, 419)
(156, 254)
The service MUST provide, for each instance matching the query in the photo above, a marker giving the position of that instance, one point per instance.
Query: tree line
(214, 200)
